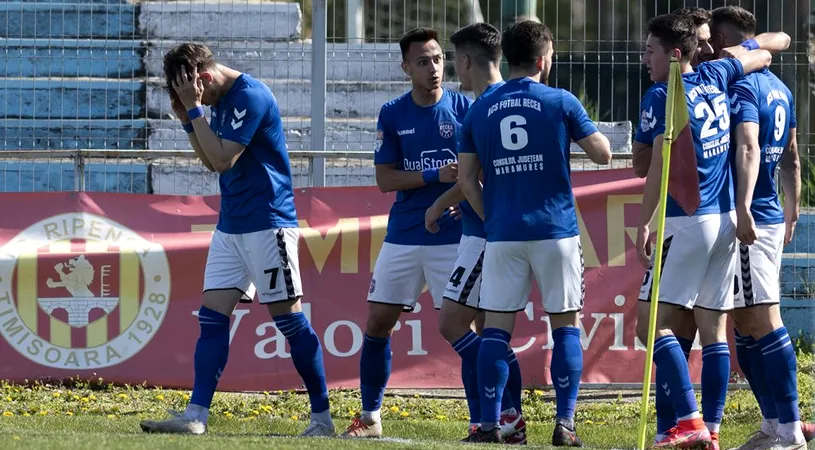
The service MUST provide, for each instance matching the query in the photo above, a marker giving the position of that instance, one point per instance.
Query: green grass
(98, 415)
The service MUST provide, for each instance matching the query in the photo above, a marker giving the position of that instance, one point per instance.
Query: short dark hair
(420, 35)
(481, 37)
(736, 16)
(189, 57)
(675, 31)
(700, 16)
(524, 42)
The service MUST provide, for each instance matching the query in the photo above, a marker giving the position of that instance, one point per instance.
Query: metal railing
(180, 172)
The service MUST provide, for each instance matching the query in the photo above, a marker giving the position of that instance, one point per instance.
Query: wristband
(750, 44)
(195, 113)
(430, 176)
(188, 127)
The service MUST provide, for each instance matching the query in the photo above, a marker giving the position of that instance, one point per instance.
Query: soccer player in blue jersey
(521, 136)
(684, 325)
(699, 249)
(254, 247)
(415, 157)
(763, 119)
(478, 60)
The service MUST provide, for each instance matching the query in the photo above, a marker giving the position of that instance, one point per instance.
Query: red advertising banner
(109, 284)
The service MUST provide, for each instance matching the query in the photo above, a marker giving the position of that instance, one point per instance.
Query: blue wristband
(430, 176)
(188, 127)
(750, 44)
(195, 113)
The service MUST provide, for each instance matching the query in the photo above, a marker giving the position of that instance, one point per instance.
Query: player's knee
(285, 307)
(452, 326)
(222, 301)
(381, 319)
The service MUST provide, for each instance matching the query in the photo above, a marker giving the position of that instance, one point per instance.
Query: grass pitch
(97, 415)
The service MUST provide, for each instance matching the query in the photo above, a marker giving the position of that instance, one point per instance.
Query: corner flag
(680, 177)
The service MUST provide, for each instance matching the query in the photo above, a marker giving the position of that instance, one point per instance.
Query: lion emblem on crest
(77, 279)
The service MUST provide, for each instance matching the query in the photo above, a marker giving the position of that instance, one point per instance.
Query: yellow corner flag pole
(674, 84)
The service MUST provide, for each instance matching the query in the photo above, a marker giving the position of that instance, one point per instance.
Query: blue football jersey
(416, 138)
(709, 116)
(256, 192)
(522, 134)
(471, 223)
(762, 98)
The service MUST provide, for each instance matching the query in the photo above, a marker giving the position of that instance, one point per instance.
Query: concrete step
(70, 58)
(68, 20)
(292, 60)
(345, 134)
(803, 240)
(798, 273)
(57, 175)
(53, 134)
(343, 99)
(253, 20)
(33, 98)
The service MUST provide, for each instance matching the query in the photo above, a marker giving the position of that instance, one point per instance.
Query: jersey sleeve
(652, 116)
(793, 118)
(743, 102)
(249, 108)
(577, 119)
(386, 148)
(722, 72)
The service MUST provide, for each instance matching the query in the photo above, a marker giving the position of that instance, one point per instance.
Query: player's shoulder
(712, 71)
(657, 92)
(395, 107)
(458, 102)
(249, 89)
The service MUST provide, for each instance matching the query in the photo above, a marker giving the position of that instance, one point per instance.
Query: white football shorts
(758, 268)
(464, 285)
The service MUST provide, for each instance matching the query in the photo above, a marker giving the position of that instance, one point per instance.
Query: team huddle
(484, 205)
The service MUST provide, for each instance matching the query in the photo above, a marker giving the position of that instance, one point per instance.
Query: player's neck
(519, 74)
(685, 67)
(229, 76)
(424, 97)
(485, 80)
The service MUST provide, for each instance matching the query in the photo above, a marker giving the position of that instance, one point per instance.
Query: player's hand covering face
(189, 87)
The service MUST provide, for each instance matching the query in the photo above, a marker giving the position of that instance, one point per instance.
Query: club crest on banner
(79, 291)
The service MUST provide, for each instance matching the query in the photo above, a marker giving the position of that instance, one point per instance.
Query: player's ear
(676, 53)
(405, 68)
(206, 76)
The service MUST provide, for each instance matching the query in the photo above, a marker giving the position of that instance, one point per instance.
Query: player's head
(478, 46)
(668, 35)
(422, 58)
(188, 57)
(528, 46)
(701, 19)
(732, 25)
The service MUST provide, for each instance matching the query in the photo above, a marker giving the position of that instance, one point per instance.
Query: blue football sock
(666, 417)
(307, 355)
(759, 374)
(743, 357)
(467, 348)
(493, 372)
(514, 384)
(566, 369)
(211, 354)
(374, 371)
(780, 365)
(669, 358)
(715, 376)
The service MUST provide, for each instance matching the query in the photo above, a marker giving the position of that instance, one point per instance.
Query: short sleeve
(722, 72)
(577, 119)
(248, 109)
(652, 116)
(743, 103)
(386, 148)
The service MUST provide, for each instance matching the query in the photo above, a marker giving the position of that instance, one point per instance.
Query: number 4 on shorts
(455, 278)
(273, 278)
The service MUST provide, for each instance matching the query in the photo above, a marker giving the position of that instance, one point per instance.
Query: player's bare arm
(390, 179)
(447, 201)
(221, 153)
(755, 60)
(597, 147)
(748, 154)
(470, 169)
(775, 42)
(181, 113)
(640, 158)
(650, 201)
(791, 184)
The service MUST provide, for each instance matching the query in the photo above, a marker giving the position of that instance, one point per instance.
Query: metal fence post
(319, 36)
(354, 24)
